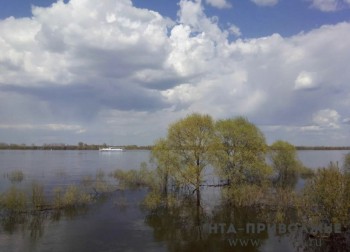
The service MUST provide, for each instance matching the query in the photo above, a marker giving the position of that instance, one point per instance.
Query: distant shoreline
(80, 146)
(322, 147)
(83, 146)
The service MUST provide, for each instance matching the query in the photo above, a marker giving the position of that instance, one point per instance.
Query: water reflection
(185, 227)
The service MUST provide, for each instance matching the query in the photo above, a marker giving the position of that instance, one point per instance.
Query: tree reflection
(184, 226)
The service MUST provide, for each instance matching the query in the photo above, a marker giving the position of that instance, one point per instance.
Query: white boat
(111, 149)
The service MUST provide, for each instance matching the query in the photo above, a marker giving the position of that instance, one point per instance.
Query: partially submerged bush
(100, 174)
(38, 197)
(16, 176)
(14, 200)
(70, 197)
(306, 172)
(346, 164)
(134, 178)
(245, 195)
(326, 196)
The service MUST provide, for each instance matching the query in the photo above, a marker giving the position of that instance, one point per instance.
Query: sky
(120, 71)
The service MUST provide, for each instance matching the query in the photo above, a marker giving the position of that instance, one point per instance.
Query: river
(115, 223)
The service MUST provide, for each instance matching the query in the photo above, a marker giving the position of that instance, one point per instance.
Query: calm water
(117, 223)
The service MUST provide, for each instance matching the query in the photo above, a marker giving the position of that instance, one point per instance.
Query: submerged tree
(166, 162)
(285, 163)
(240, 151)
(189, 141)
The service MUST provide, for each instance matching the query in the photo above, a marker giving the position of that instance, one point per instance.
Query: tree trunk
(165, 185)
(198, 185)
(198, 196)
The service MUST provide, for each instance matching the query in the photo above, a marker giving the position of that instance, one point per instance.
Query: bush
(134, 178)
(14, 200)
(71, 197)
(245, 195)
(346, 165)
(38, 198)
(306, 172)
(16, 176)
(326, 196)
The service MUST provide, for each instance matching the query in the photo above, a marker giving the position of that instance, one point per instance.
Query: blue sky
(118, 72)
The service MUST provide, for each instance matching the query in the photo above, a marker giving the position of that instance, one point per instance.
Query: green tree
(285, 163)
(166, 162)
(240, 149)
(190, 140)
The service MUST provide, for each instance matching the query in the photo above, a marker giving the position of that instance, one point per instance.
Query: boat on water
(111, 149)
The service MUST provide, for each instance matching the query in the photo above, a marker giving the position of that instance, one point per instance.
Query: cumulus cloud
(329, 5)
(265, 2)
(327, 118)
(221, 4)
(233, 29)
(103, 64)
(305, 80)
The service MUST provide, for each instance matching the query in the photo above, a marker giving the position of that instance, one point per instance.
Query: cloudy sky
(119, 71)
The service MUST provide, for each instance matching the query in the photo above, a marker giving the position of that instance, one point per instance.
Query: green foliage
(134, 178)
(306, 172)
(100, 174)
(72, 196)
(14, 200)
(38, 198)
(190, 139)
(240, 151)
(346, 163)
(153, 200)
(326, 196)
(285, 163)
(281, 202)
(16, 176)
(166, 161)
(245, 195)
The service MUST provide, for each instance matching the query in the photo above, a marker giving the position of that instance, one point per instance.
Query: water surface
(117, 222)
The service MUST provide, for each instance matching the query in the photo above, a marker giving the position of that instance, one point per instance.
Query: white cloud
(329, 5)
(50, 127)
(221, 4)
(235, 30)
(90, 65)
(265, 2)
(305, 80)
(326, 118)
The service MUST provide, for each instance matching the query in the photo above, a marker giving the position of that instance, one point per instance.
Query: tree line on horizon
(62, 146)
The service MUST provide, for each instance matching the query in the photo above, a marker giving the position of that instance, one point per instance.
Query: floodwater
(117, 222)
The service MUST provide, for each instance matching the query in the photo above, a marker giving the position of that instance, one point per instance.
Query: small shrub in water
(71, 197)
(38, 198)
(14, 200)
(16, 176)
